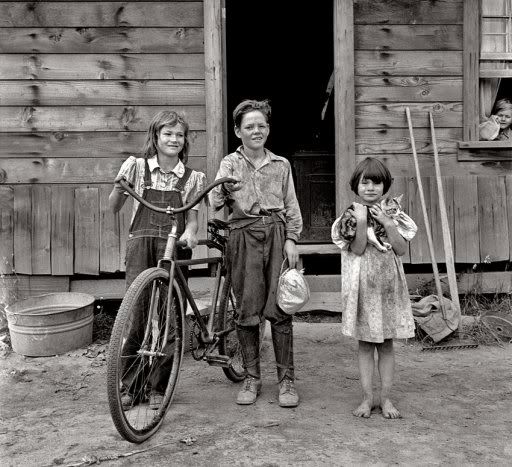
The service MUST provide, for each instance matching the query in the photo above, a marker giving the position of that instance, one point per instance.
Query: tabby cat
(344, 228)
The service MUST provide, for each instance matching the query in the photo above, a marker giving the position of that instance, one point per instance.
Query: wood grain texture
(6, 230)
(407, 12)
(86, 248)
(508, 188)
(84, 144)
(399, 187)
(109, 241)
(74, 170)
(465, 202)
(417, 63)
(125, 217)
(408, 37)
(98, 118)
(420, 253)
(62, 233)
(90, 40)
(435, 213)
(492, 219)
(41, 229)
(122, 66)
(471, 68)
(101, 14)
(23, 229)
(101, 92)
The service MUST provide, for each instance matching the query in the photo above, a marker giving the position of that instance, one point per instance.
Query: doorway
(288, 58)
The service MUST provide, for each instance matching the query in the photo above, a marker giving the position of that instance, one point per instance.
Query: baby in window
(497, 127)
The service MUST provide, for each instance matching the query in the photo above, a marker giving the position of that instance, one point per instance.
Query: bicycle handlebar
(169, 209)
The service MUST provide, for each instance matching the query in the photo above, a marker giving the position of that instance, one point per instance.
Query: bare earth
(457, 408)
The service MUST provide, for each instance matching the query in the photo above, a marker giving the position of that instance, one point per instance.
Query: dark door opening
(287, 57)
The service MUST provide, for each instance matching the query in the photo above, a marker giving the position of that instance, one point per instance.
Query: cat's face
(391, 206)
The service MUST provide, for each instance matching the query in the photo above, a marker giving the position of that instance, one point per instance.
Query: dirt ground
(456, 406)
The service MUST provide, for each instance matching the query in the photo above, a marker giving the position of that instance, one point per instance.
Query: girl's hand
(291, 252)
(190, 238)
(360, 211)
(379, 216)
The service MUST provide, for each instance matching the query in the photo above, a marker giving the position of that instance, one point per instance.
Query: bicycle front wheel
(142, 367)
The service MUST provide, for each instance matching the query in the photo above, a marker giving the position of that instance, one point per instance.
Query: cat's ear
(398, 199)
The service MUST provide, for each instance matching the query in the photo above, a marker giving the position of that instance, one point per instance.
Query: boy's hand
(233, 186)
(360, 211)
(190, 238)
(291, 252)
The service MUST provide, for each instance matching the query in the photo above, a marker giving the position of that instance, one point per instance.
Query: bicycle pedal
(218, 360)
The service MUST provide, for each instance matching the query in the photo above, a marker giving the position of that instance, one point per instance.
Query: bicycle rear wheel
(228, 343)
(140, 365)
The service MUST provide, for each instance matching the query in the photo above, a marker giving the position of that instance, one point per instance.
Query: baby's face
(504, 118)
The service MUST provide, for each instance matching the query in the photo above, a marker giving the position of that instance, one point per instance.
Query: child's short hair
(502, 104)
(372, 169)
(162, 118)
(249, 105)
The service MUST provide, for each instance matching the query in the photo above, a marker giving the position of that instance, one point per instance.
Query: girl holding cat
(375, 299)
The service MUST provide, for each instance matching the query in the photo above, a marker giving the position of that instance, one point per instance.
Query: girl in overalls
(161, 177)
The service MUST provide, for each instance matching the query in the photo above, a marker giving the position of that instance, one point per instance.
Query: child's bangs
(374, 172)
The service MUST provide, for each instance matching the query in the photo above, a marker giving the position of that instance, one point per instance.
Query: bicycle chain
(196, 344)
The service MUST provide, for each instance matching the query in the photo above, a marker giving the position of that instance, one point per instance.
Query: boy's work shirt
(266, 190)
(133, 169)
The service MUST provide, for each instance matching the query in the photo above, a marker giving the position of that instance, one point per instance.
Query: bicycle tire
(133, 373)
(228, 343)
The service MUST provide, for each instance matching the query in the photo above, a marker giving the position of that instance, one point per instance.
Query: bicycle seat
(218, 224)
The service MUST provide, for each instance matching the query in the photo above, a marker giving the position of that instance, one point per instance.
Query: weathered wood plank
(393, 115)
(23, 229)
(407, 12)
(6, 230)
(508, 188)
(399, 187)
(31, 286)
(41, 229)
(76, 170)
(109, 233)
(401, 165)
(419, 244)
(84, 144)
(408, 88)
(482, 154)
(397, 63)
(396, 140)
(435, 213)
(101, 14)
(492, 219)
(465, 201)
(125, 218)
(100, 92)
(62, 237)
(87, 235)
(99, 118)
(101, 66)
(408, 37)
(82, 40)
(471, 65)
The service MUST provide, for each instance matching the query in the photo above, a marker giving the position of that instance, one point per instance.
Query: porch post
(213, 77)
(344, 100)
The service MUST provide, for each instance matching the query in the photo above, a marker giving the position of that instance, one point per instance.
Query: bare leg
(386, 367)
(365, 356)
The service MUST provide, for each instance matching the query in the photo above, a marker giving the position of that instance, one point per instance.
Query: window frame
(472, 148)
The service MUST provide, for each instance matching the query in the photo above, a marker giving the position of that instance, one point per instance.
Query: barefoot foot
(389, 410)
(364, 409)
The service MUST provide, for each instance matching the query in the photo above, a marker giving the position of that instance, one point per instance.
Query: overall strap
(147, 175)
(180, 186)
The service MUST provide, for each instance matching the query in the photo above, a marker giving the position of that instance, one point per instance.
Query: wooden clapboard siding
(6, 230)
(102, 92)
(101, 14)
(87, 235)
(492, 219)
(23, 229)
(399, 187)
(408, 37)
(465, 203)
(100, 118)
(41, 229)
(76, 144)
(408, 12)
(419, 248)
(125, 216)
(73, 170)
(101, 66)
(109, 239)
(391, 115)
(91, 40)
(62, 237)
(508, 188)
(435, 213)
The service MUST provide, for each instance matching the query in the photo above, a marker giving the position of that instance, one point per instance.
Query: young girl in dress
(375, 299)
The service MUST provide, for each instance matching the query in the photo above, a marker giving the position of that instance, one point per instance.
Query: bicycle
(149, 331)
